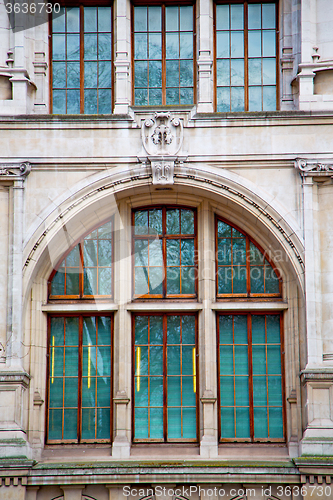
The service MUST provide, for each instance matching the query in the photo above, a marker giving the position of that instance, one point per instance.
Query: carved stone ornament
(162, 134)
(314, 167)
(14, 170)
(162, 171)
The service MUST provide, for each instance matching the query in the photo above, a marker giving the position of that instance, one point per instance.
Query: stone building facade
(100, 180)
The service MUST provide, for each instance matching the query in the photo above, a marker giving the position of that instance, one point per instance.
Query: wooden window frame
(165, 439)
(245, 30)
(81, 5)
(78, 441)
(248, 295)
(164, 238)
(139, 3)
(79, 241)
(252, 439)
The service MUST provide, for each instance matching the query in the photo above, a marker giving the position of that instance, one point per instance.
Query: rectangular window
(165, 377)
(79, 379)
(245, 53)
(164, 54)
(81, 60)
(250, 361)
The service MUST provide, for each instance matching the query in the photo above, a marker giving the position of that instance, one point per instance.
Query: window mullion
(249, 339)
(81, 59)
(246, 64)
(165, 380)
(79, 403)
(163, 57)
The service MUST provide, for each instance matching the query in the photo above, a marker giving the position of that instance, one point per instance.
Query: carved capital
(314, 168)
(14, 171)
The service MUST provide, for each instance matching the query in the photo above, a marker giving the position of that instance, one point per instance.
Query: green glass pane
(155, 46)
(58, 47)
(156, 423)
(171, 18)
(237, 98)
(58, 282)
(227, 391)
(188, 329)
(242, 391)
(275, 423)
(73, 47)
(155, 18)
(186, 17)
(72, 281)
(89, 360)
(173, 280)
(103, 361)
(259, 359)
(156, 360)
(172, 222)
(140, 18)
(56, 392)
(189, 423)
(156, 280)
(237, 17)
(226, 329)
(254, 72)
(141, 391)
(88, 423)
(172, 73)
(90, 47)
(226, 360)
(104, 47)
(274, 359)
(188, 394)
(268, 42)
(172, 96)
(103, 391)
(59, 101)
(141, 330)
(239, 250)
(227, 423)
(260, 422)
(237, 234)
(256, 257)
(57, 331)
(141, 76)
(269, 98)
(222, 44)
(59, 74)
(89, 331)
(186, 47)
(240, 329)
(258, 329)
(186, 95)
(223, 72)
(274, 391)
(88, 391)
(90, 75)
(259, 391)
(104, 281)
(57, 361)
(254, 16)
(155, 253)
(55, 424)
(103, 423)
(242, 423)
(58, 22)
(73, 19)
(73, 75)
(155, 96)
(187, 360)
(222, 17)
(90, 281)
(156, 330)
(155, 391)
(141, 423)
(269, 71)
(71, 361)
(72, 331)
(237, 71)
(273, 328)
(241, 360)
(239, 279)
(141, 280)
(71, 392)
(104, 19)
(104, 330)
(155, 221)
(174, 391)
(224, 251)
(141, 252)
(186, 74)
(237, 44)
(174, 423)
(187, 221)
(90, 102)
(173, 359)
(104, 76)
(173, 329)
(141, 222)
(187, 252)
(254, 46)
(188, 279)
(268, 15)
(257, 279)
(224, 280)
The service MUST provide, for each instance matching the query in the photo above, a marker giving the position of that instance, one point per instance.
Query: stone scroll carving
(314, 167)
(14, 170)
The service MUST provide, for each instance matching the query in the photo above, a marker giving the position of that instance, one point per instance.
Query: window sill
(249, 306)
(80, 307)
(164, 306)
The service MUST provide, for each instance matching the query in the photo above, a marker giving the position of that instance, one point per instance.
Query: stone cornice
(11, 377)
(314, 168)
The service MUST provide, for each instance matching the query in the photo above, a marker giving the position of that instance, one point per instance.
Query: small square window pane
(174, 391)
(186, 96)
(254, 71)
(241, 360)
(141, 222)
(55, 424)
(269, 40)
(172, 221)
(141, 423)
(90, 281)
(237, 72)
(222, 44)
(141, 97)
(274, 391)
(273, 329)
(155, 96)
(156, 391)
(156, 357)
(269, 98)
(224, 280)
(154, 18)
(239, 279)
(156, 280)
(268, 16)
(171, 18)
(104, 19)
(226, 360)
(237, 98)
(103, 423)
(173, 329)
(141, 281)
(104, 281)
(254, 44)
(237, 44)
(259, 359)
(72, 281)
(259, 391)
(255, 99)
(257, 279)
(226, 329)
(140, 18)
(141, 73)
(156, 423)
(222, 17)
(188, 279)
(237, 17)
(254, 16)
(73, 75)
(90, 19)
(258, 329)
(223, 99)
(88, 423)
(240, 329)
(172, 96)
(141, 330)
(73, 20)
(269, 71)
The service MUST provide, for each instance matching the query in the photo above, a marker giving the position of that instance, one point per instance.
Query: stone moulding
(314, 168)
(14, 171)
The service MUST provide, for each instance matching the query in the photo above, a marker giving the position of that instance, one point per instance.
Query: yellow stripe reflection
(89, 366)
(52, 369)
(194, 371)
(138, 360)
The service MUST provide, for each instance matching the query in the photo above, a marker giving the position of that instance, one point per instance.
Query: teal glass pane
(187, 220)
(90, 102)
(237, 71)
(173, 280)
(224, 251)
(156, 360)
(104, 101)
(141, 391)
(155, 221)
(71, 392)
(259, 359)
(104, 19)
(174, 423)
(269, 71)
(255, 99)
(274, 391)
(90, 281)
(257, 279)
(241, 360)
(59, 101)
(103, 361)
(188, 329)
(171, 18)
(275, 423)
(174, 391)
(104, 47)
(141, 361)
(172, 96)
(223, 99)
(88, 391)
(186, 18)
(141, 97)
(104, 281)
(224, 280)
(172, 73)
(268, 16)
(155, 46)
(226, 329)
(103, 391)
(55, 424)
(227, 391)
(187, 252)
(237, 17)
(268, 42)
(227, 423)
(89, 331)
(222, 44)
(156, 280)
(58, 22)
(269, 98)
(258, 329)
(173, 358)
(141, 280)
(56, 392)
(239, 251)
(223, 72)
(105, 231)
(141, 330)
(58, 47)
(242, 423)
(188, 279)
(239, 279)
(59, 74)
(226, 360)
(140, 18)
(260, 422)
(90, 75)
(104, 252)
(240, 329)
(141, 252)
(156, 423)
(254, 16)
(88, 423)
(104, 330)
(189, 423)
(73, 19)
(103, 423)
(173, 329)
(172, 222)
(222, 17)
(237, 98)
(273, 329)
(57, 331)
(71, 361)
(155, 391)
(273, 360)
(188, 394)
(272, 284)
(187, 360)
(156, 330)
(73, 258)
(259, 391)
(254, 43)
(73, 75)
(73, 47)
(89, 360)
(155, 18)
(254, 72)
(155, 96)
(256, 257)
(237, 44)
(141, 423)
(70, 424)
(57, 361)
(58, 282)
(72, 331)
(223, 230)
(186, 47)
(242, 391)
(72, 281)
(141, 222)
